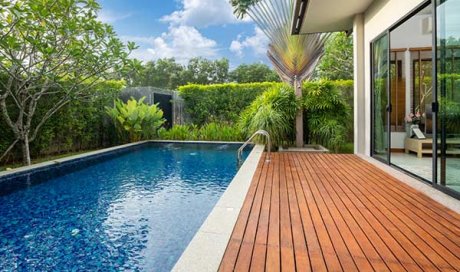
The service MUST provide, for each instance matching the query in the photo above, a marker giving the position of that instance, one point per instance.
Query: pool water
(137, 211)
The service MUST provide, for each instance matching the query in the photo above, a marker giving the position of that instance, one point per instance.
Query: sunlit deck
(326, 212)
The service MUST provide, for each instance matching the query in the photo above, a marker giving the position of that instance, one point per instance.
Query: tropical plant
(179, 132)
(293, 56)
(328, 114)
(273, 111)
(219, 132)
(209, 132)
(136, 119)
(51, 50)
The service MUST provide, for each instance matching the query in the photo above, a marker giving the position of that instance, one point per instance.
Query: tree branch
(9, 149)
(48, 115)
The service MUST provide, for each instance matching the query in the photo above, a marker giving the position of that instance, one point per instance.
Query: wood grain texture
(328, 212)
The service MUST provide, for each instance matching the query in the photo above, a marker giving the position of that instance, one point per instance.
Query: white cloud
(203, 13)
(258, 43)
(109, 17)
(180, 42)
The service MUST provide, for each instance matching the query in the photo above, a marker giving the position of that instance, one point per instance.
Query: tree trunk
(25, 150)
(299, 118)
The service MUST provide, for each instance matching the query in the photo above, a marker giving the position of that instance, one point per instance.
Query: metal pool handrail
(259, 132)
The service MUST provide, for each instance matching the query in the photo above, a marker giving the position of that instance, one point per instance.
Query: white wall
(379, 17)
(359, 86)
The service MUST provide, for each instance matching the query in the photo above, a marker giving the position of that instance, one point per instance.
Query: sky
(184, 29)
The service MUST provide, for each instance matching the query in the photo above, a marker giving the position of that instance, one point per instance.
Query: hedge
(225, 102)
(220, 102)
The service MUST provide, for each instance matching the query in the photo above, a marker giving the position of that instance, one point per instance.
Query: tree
(204, 71)
(52, 49)
(257, 72)
(167, 73)
(293, 56)
(163, 73)
(240, 7)
(337, 62)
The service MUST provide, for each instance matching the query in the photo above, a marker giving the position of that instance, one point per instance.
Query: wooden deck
(326, 212)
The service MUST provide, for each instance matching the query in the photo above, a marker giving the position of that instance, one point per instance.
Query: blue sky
(184, 29)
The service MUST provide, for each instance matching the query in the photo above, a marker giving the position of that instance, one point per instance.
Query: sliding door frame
(388, 106)
(436, 181)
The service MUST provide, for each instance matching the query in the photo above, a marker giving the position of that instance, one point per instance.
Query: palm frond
(294, 57)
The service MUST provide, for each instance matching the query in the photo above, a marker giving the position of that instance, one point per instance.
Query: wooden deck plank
(260, 247)
(234, 245)
(313, 246)
(360, 214)
(243, 262)
(287, 250)
(362, 250)
(402, 229)
(273, 262)
(325, 212)
(400, 216)
(403, 191)
(302, 260)
(396, 229)
(426, 218)
(343, 252)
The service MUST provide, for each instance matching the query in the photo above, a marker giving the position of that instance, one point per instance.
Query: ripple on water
(135, 212)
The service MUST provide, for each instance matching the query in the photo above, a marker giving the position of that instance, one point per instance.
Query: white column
(408, 75)
(359, 86)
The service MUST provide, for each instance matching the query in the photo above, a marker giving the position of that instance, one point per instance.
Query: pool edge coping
(206, 250)
(37, 166)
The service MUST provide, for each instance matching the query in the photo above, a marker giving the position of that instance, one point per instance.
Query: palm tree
(293, 56)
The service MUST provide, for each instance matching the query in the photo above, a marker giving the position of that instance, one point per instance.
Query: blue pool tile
(135, 209)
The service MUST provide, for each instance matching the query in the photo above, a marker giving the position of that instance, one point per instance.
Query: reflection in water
(135, 212)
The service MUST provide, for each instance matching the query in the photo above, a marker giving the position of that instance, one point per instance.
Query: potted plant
(413, 120)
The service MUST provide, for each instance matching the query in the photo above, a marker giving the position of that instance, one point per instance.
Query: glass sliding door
(380, 99)
(415, 99)
(448, 92)
(411, 43)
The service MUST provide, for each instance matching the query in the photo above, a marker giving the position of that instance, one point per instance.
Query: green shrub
(220, 103)
(209, 132)
(346, 90)
(327, 114)
(220, 132)
(136, 119)
(273, 111)
(179, 132)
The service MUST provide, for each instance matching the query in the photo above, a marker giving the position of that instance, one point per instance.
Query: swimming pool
(134, 210)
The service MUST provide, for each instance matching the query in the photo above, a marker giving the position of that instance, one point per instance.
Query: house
(407, 80)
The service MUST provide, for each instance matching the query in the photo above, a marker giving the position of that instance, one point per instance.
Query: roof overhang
(317, 16)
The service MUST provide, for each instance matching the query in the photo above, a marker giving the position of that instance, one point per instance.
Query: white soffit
(331, 15)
